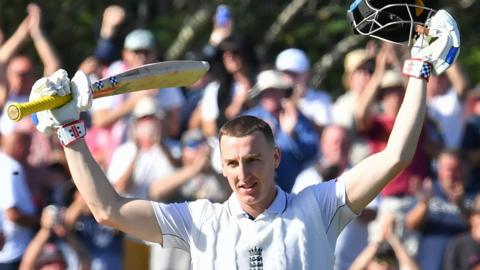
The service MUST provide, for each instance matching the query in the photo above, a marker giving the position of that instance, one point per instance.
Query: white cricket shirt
(295, 232)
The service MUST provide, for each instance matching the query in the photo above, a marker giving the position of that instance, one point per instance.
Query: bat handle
(16, 111)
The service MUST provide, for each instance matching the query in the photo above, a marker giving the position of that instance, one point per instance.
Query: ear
(277, 155)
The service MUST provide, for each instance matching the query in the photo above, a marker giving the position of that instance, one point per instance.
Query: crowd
(161, 144)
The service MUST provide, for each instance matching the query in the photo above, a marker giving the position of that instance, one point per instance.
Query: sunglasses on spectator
(193, 144)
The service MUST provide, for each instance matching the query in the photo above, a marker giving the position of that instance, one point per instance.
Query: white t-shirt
(447, 111)
(344, 109)
(316, 105)
(295, 232)
(150, 166)
(209, 103)
(14, 193)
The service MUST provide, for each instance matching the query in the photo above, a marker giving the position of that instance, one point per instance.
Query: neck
(254, 210)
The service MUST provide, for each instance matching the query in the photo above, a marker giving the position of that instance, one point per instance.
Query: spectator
(463, 252)
(233, 72)
(103, 243)
(294, 133)
(45, 250)
(17, 77)
(358, 69)
(312, 103)
(439, 212)
(471, 143)
(17, 208)
(386, 252)
(333, 151)
(110, 115)
(335, 145)
(144, 158)
(445, 98)
(16, 71)
(196, 179)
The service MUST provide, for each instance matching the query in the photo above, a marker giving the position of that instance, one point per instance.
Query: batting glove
(59, 84)
(440, 47)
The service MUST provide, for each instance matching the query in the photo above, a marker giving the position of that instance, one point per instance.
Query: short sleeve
(175, 221)
(336, 214)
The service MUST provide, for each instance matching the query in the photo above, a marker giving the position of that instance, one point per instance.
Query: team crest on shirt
(255, 259)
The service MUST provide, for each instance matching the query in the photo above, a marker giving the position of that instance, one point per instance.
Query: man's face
(334, 144)
(450, 171)
(136, 58)
(148, 132)
(271, 100)
(20, 75)
(249, 165)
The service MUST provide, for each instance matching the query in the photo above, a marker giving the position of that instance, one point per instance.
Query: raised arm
(135, 217)
(7, 50)
(366, 180)
(459, 80)
(363, 108)
(43, 46)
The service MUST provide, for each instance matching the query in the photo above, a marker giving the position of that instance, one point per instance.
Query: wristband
(71, 132)
(417, 68)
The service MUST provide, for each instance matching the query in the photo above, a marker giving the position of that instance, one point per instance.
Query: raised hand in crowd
(43, 252)
(385, 251)
(49, 59)
(113, 17)
(222, 25)
(288, 117)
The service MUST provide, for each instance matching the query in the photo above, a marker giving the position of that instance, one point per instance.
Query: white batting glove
(59, 84)
(445, 47)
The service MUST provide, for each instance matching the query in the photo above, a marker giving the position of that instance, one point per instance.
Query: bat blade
(156, 75)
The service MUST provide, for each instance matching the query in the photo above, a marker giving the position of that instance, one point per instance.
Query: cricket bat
(150, 76)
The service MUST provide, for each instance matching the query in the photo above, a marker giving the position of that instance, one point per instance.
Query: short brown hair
(245, 125)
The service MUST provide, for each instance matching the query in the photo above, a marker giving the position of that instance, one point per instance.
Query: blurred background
(318, 27)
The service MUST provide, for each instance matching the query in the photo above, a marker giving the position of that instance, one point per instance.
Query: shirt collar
(278, 205)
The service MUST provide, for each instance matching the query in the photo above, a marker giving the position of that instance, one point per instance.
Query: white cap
(148, 106)
(294, 60)
(268, 79)
(139, 39)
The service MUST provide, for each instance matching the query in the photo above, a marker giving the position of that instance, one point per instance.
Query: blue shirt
(298, 149)
(443, 221)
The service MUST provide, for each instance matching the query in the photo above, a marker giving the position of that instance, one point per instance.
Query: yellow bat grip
(16, 111)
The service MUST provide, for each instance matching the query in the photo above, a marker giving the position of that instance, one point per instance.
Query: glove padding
(442, 44)
(59, 84)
